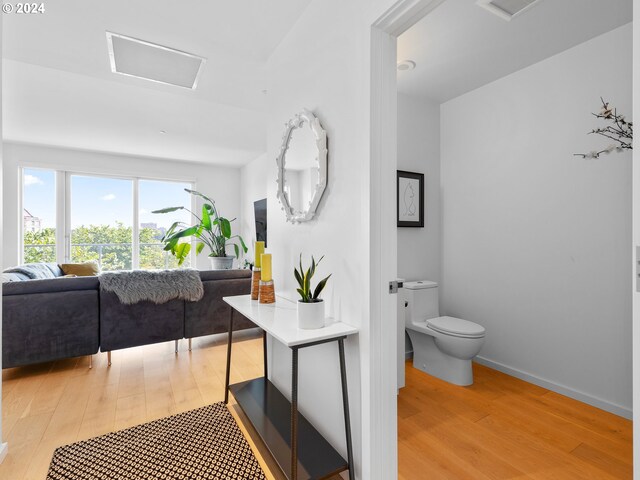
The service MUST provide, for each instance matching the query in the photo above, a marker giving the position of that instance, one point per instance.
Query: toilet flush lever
(394, 285)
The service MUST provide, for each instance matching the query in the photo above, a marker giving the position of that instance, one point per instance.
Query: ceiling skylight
(137, 58)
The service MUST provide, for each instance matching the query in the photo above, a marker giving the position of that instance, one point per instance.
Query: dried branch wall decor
(619, 130)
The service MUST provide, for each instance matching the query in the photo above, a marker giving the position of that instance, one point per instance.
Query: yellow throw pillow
(87, 269)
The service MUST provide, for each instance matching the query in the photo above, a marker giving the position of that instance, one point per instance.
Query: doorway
(385, 34)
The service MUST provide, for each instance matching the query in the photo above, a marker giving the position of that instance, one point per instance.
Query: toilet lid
(456, 326)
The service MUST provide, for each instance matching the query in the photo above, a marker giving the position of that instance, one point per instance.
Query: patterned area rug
(204, 443)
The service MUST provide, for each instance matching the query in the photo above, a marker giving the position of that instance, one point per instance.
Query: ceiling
(58, 88)
(459, 46)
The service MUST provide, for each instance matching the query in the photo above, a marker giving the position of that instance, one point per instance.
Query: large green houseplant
(210, 229)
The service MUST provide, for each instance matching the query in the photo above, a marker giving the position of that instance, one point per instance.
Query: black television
(260, 213)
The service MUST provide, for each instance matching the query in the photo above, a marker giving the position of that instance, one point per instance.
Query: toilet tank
(422, 301)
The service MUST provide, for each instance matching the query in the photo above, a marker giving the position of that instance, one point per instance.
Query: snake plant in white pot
(310, 305)
(210, 230)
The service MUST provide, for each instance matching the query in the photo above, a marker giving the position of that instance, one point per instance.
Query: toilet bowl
(442, 346)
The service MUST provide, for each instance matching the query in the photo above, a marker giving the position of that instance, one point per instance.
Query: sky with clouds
(101, 200)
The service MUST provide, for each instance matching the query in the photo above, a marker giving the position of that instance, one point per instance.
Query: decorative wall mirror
(302, 167)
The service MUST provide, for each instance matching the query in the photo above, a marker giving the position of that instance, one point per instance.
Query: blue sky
(100, 200)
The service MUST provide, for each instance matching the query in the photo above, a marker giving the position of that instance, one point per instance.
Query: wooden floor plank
(499, 428)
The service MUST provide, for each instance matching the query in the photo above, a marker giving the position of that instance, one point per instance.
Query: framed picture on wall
(410, 187)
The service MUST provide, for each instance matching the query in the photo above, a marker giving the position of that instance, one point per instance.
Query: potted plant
(310, 306)
(211, 230)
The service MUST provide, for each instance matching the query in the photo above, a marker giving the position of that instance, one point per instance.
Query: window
(154, 195)
(107, 219)
(101, 221)
(38, 215)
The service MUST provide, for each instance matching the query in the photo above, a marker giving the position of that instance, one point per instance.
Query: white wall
(323, 65)
(253, 186)
(536, 240)
(419, 151)
(419, 249)
(220, 183)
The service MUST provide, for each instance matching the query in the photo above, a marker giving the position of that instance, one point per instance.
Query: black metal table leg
(294, 413)
(345, 405)
(226, 381)
(264, 351)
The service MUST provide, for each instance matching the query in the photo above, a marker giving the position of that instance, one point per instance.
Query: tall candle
(259, 251)
(265, 260)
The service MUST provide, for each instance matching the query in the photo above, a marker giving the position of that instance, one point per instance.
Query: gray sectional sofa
(47, 319)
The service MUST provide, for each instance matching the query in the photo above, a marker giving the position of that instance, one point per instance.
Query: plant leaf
(199, 247)
(244, 247)
(320, 287)
(182, 251)
(201, 195)
(187, 232)
(225, 227)
(307, 283)
(206, 218)
(168, 210)
(237, 249)
(304, 298)
(298, 277)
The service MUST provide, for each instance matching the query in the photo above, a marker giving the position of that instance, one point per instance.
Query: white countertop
(279, 320)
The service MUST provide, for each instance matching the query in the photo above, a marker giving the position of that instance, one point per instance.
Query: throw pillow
(87, 269)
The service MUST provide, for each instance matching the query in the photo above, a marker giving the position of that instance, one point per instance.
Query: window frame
(63, 208)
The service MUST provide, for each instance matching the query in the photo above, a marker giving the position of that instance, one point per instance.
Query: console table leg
(345, 406)
(177, 346)
(90, 361)
(226, 381)
(109, 358)
(294, 413)
(189, 344)
(264, 352)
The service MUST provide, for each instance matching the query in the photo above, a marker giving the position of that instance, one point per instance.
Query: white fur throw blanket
(157, 286)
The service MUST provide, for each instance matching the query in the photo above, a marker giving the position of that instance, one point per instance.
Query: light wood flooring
(497, 429)
(504, 428)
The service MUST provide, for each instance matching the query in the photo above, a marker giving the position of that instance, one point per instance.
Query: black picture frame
(407, 205)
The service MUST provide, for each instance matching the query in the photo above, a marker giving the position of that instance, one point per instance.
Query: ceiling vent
(140, 59)
(507, 9)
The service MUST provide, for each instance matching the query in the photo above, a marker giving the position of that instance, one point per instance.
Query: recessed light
(405, 65)
(163, 132)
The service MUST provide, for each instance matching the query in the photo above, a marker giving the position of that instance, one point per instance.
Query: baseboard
(4, 449)
(408, 355)
(561, 389)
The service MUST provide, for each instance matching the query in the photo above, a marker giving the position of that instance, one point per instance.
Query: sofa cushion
(14, 277)
(50, 285)
(42, 327)
(86, 269)
(37, 271)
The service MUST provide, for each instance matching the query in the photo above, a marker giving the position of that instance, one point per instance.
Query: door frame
(381, 415)
(383, 249)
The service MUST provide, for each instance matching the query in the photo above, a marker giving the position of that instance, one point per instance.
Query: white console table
(298, 448)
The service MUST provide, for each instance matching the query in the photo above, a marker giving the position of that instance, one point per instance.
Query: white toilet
(442, 346)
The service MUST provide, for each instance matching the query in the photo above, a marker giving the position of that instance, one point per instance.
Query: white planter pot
(310, 315)
(221, 263)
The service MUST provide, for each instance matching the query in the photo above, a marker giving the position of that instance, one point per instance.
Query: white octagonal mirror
(302, 167)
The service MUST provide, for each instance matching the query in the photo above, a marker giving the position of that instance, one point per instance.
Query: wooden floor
(500, 428)
(504, 428)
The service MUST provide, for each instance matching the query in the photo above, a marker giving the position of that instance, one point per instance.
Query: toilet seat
(456, 327)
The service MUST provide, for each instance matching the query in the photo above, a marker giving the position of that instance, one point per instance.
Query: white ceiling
(459, 46)
(58, 88)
